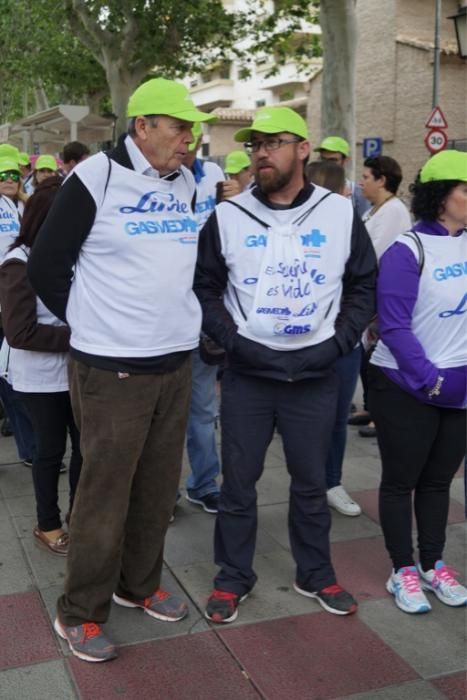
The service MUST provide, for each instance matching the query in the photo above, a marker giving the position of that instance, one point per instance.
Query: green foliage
(73, 49)
(40, 51)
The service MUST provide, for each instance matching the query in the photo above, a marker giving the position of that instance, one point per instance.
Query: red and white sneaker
(332, 598)
(222, 606)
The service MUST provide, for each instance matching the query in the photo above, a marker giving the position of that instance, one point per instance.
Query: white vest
(325, 237)
(9, 224)
(132, 295)
(439, 318)
(32, 371)
(206, 192)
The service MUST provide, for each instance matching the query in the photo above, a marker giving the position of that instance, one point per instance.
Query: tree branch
(86, 28)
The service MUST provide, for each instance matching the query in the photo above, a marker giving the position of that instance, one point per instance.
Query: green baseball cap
(167, 97)
(236, 161)
(273, 120)
(446, 165)
(48, 162)
(197, 132)
(8, 163)
(9, 151)
(23, 158)
(335, 144)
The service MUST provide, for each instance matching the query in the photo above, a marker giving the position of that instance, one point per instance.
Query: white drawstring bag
(284, 301)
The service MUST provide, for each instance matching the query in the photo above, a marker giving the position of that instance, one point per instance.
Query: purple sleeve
(397, 292)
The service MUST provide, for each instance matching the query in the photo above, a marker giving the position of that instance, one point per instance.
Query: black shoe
(6, 430)
(368, 432)
(359, 419)
(27, 462)
(222, 606)
(332, 598)
(63, 468)
(209, 503)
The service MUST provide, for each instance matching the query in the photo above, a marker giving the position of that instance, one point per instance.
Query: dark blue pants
(304, 412)
(347, 369)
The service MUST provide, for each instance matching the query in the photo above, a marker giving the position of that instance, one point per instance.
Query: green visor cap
(23, 158)
(9, 151)
(167, 97)
(236, 161)
(274, 120)
(8, 163)
(196, 131)
(447, 165)
(48, 162)
(335, 144)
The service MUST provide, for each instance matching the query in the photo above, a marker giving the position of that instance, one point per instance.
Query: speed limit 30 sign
(436, 140)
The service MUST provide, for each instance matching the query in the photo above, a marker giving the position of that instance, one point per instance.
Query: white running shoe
(442, 582)
(406, 588)
(339, 499)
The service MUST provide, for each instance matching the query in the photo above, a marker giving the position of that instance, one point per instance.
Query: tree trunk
(121, 84)
(339, 37)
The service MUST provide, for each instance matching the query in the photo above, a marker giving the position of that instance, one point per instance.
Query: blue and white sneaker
(443, 583)
(406, 588)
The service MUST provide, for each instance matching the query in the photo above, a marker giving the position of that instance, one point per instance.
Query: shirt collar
(433, 228)
(141, 164)
(302, 196)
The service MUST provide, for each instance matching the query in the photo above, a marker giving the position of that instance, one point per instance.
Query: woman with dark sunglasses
(9, 212)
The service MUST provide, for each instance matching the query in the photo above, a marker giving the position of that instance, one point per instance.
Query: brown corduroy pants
(132, 436)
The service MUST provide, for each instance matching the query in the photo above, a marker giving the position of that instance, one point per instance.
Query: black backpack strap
(108, 176)
(413, 235)
(302, 217)
(248, 213)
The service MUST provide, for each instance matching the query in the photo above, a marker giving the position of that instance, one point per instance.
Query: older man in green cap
(337, 150)
(115, 259)
(285, 276)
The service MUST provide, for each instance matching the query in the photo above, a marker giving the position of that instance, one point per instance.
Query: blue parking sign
(372, 147)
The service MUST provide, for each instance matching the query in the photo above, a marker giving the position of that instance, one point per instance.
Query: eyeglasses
(268, 144)
(9, 175)
(44, 170)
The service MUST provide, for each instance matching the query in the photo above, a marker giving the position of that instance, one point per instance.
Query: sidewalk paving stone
(186, 668)
(15, 576)
(286, 658)
(433, 643)
(45, 681)
(413, 690)
(25, 635)
(453, 687)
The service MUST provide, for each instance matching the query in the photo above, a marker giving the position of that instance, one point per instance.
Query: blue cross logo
(314, 239)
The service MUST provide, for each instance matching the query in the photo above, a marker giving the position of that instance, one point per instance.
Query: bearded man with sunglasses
(285, 276)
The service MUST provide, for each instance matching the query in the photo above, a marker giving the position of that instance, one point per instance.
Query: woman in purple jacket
(418, 378)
